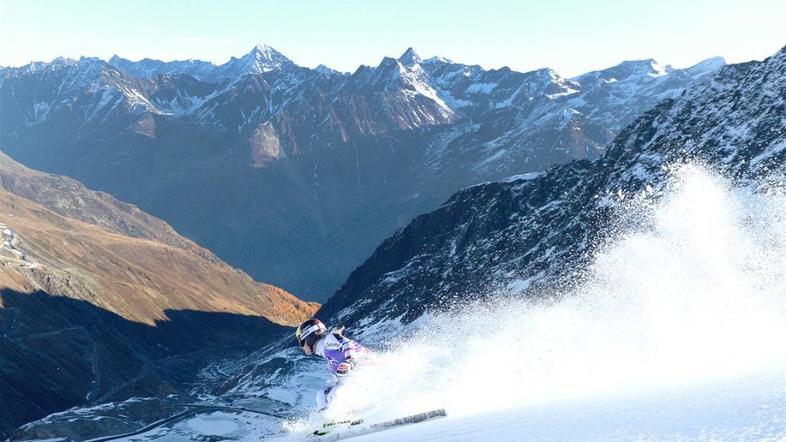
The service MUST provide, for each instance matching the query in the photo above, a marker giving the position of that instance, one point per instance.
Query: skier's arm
(345, 361)
(342, 353)
(352, 351)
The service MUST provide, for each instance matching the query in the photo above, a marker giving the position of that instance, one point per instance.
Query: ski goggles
(302, 335)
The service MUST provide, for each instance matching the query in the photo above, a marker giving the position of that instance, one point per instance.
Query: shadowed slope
(57, 352)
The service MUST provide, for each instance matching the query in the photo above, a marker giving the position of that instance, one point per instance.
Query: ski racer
(341, 354)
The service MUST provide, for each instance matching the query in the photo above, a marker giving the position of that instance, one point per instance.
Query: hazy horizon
(569, 36)
(357, 67)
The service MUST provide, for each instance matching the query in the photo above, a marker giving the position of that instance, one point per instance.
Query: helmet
(310, 331)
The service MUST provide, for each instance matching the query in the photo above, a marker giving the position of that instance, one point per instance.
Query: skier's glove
(343, 369)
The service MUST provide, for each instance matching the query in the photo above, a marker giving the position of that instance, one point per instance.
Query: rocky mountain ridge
(515, 235)
(278, 168)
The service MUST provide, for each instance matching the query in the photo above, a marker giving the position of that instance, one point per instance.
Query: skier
(341, 353)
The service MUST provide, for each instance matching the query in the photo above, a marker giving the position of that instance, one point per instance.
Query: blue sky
(570, 36)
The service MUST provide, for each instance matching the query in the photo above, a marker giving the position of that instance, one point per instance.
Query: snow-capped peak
(632, 69)
(708, 66)
(658, 69)
(263, 58)
(438, 59)
(86, 67)
(262, 51)
(409, 57)
(640, 68)
(325, 70)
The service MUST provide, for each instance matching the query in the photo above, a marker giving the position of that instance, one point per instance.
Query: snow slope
(743, 409)
(676, 334)
(751, 408)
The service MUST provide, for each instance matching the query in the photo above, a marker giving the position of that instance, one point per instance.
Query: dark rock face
(293, 174)
(537, 230)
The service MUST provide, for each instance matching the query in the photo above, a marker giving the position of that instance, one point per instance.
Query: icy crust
(109, 418)
(740, 409)
(239, 426)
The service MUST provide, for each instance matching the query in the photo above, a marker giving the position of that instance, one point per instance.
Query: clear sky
(570, 36)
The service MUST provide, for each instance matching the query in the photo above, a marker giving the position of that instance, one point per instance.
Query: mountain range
(294, 174)
(539, 230)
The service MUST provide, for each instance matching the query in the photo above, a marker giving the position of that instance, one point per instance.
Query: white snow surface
(748, 409)
(246, 427)
(215, 424)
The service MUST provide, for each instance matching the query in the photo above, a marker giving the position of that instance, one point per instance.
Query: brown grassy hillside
(89, 246)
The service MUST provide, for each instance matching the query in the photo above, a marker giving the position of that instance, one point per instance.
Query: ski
(331, 426)
(381, 426)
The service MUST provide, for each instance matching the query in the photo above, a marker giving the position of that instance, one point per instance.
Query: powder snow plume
(691, 290)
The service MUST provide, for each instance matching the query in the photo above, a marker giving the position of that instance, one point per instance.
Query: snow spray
(692, 289)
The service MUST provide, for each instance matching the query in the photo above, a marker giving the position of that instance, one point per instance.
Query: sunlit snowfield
(678, 332)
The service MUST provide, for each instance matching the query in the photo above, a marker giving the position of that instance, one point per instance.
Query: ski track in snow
(747, 408)
(742, 409)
